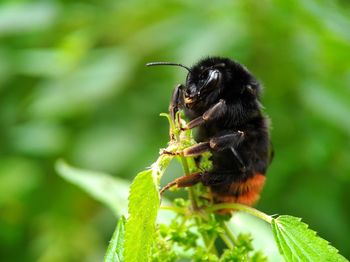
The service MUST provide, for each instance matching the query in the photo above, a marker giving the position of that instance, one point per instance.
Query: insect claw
(166, 152)
(171, 184)
(184, 128)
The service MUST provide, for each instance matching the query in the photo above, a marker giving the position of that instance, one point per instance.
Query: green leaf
(144, 201)
(297, 242)
(143, 208)
(109, 190)
(115, 248)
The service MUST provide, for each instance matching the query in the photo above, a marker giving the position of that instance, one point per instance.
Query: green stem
(191, 192)
(211, 245)
(241, 207)
(192, 195)
(174, 209)
(228, 232)
(226, 240)
(193, 200)
(171, 123)
(205, 237)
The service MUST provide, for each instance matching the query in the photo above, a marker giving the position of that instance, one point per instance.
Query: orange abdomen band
(247, 192)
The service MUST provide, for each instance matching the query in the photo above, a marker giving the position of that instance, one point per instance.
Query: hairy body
(222, 99)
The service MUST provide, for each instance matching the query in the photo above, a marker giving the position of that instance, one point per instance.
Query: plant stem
(174, 209)
(211, 245)
(171, 123)
(192, 195)
(241, 207)
(228, 232)
(226, 240)
(193, 199)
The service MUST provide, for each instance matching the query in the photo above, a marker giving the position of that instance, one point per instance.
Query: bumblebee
(221, 98)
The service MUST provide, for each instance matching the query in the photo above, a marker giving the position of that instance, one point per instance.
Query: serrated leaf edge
(114, 253)
(283, 236)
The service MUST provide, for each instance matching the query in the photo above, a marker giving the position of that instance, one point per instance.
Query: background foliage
(73, 85)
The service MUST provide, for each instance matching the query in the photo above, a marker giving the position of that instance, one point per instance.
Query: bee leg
(229, 141)
(175, 102)
(194, 150)
(184, 181)
(206, 178)
(232, 139)
(216, 111)
(239, 160)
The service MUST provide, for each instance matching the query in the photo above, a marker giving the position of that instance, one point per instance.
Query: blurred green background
(73, 85)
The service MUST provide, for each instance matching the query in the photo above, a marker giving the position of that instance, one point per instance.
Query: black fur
(241, 92)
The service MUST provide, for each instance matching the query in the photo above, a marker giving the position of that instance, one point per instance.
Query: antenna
(169, 64)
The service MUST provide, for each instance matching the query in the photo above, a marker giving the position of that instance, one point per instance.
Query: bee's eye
(202, 80)
(203, 76)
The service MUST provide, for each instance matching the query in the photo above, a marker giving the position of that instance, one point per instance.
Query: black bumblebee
(222, 98)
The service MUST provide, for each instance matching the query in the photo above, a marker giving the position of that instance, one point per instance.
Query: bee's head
(214, 78)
